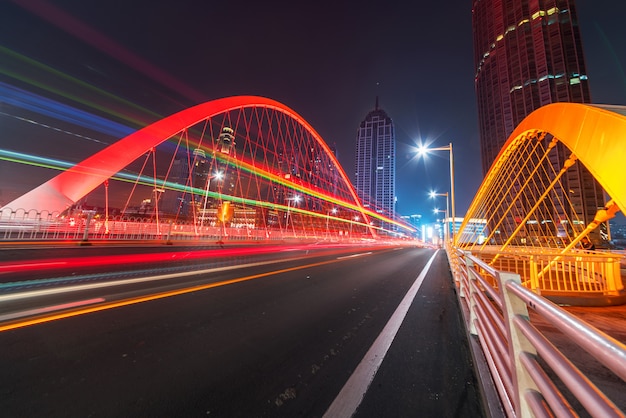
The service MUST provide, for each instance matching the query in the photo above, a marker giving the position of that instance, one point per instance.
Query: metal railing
(30, 226)
(549, 270)
(531, 375)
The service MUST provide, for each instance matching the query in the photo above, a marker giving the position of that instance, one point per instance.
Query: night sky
(133, 62)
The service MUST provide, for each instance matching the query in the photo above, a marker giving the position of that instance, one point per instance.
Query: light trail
(156, 296)
(47, 309)
(21, 158)
(17, 66)
(92, 37)
(43, 125)
(59, 111)
(124, 259)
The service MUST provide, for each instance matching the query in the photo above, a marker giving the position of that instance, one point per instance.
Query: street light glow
(421, 150)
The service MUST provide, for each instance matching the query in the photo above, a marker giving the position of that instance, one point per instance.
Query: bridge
(249, 171)
(244, 165)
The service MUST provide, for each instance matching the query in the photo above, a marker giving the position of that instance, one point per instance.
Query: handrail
(607, 349)
(525, 385)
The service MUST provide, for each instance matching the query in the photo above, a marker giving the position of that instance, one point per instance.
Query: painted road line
(354, 255)
(353, 392)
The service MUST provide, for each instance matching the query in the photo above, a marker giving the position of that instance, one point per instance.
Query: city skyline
(424, 76)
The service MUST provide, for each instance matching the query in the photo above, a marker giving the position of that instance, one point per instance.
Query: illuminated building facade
(527, 55)
(376, 162)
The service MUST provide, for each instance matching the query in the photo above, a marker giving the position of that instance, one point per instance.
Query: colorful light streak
(35, 103)
(17, 65)
(90, 36)
(26, 65)
(148, 298)
(43, 125)
(151, 258)
(44, 162)
(75, 182)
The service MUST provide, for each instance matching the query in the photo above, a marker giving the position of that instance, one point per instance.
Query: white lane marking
(47, 309)
(353, 392)
(354, 255)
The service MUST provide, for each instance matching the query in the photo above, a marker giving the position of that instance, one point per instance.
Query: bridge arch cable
(245, 163)
(528, 201)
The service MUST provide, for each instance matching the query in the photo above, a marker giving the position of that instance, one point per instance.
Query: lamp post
(218, 175)
(446, 233)
(434, 194)
(333, 211)
(296, 199)
(423, 150)
(106, 206)
(356, 219)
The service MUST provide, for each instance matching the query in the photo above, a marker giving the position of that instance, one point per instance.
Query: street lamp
(106, 206)
(434, 194)
(356, 219)
(421, 150)
(446, 234)
(296, 199)
(218, 175)
(333, 211)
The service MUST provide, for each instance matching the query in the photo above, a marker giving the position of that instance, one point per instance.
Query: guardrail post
(518, 343)
(85, 240)
(168, 240)
(534, 278)
(470, 292)
(613, 276)
(459, 271)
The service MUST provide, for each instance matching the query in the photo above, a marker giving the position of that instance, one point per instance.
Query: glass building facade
(375, 173)
(528, 53)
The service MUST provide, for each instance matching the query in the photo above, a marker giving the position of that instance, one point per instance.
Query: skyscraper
(528, 54)
(376, 162)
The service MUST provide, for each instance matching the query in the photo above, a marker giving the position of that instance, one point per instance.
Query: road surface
(264, 338)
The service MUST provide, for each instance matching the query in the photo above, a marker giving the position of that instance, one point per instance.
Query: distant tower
(528, 54)
(376, 162)
(222, 174)
(226, 140)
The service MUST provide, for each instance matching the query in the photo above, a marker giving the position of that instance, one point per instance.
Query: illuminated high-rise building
(375, 174)
(528, 54)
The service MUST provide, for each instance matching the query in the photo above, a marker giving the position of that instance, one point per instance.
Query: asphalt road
(266, 340)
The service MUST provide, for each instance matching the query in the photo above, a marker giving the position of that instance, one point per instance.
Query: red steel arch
(67, 188)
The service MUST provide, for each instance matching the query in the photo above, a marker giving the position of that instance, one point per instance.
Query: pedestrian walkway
(428, 370)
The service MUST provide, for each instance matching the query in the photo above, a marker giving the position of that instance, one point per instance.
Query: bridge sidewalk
(428, 370)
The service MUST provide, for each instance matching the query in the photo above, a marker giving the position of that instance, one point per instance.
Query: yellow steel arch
(523, 217)
(595, 134)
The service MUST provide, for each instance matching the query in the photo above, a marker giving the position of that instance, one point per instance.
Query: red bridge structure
(244, 166)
